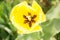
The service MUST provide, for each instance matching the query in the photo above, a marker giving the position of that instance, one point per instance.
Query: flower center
(29, 19)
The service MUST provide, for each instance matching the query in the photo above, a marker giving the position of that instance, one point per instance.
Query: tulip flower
(27, 18)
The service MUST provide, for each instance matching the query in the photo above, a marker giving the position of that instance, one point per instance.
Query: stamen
(29, 19)
(33, 20)
(34, 17)
(26, 21)
(30, 24)
(29, 14)
(25, 17)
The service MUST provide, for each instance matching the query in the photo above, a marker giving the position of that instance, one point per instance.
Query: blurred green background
(51, 28)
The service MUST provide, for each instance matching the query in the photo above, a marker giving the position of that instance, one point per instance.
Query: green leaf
(31, 36)
(6, 29)
(7, 38)
(54, 12)
(50, 28)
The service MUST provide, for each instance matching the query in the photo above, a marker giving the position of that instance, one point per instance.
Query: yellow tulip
(26, 18)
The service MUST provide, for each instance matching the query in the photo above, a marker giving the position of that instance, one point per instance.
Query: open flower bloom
(26, 18)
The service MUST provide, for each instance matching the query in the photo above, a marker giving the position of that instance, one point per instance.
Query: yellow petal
(36, 28)
(16, 15)
(38, 9)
